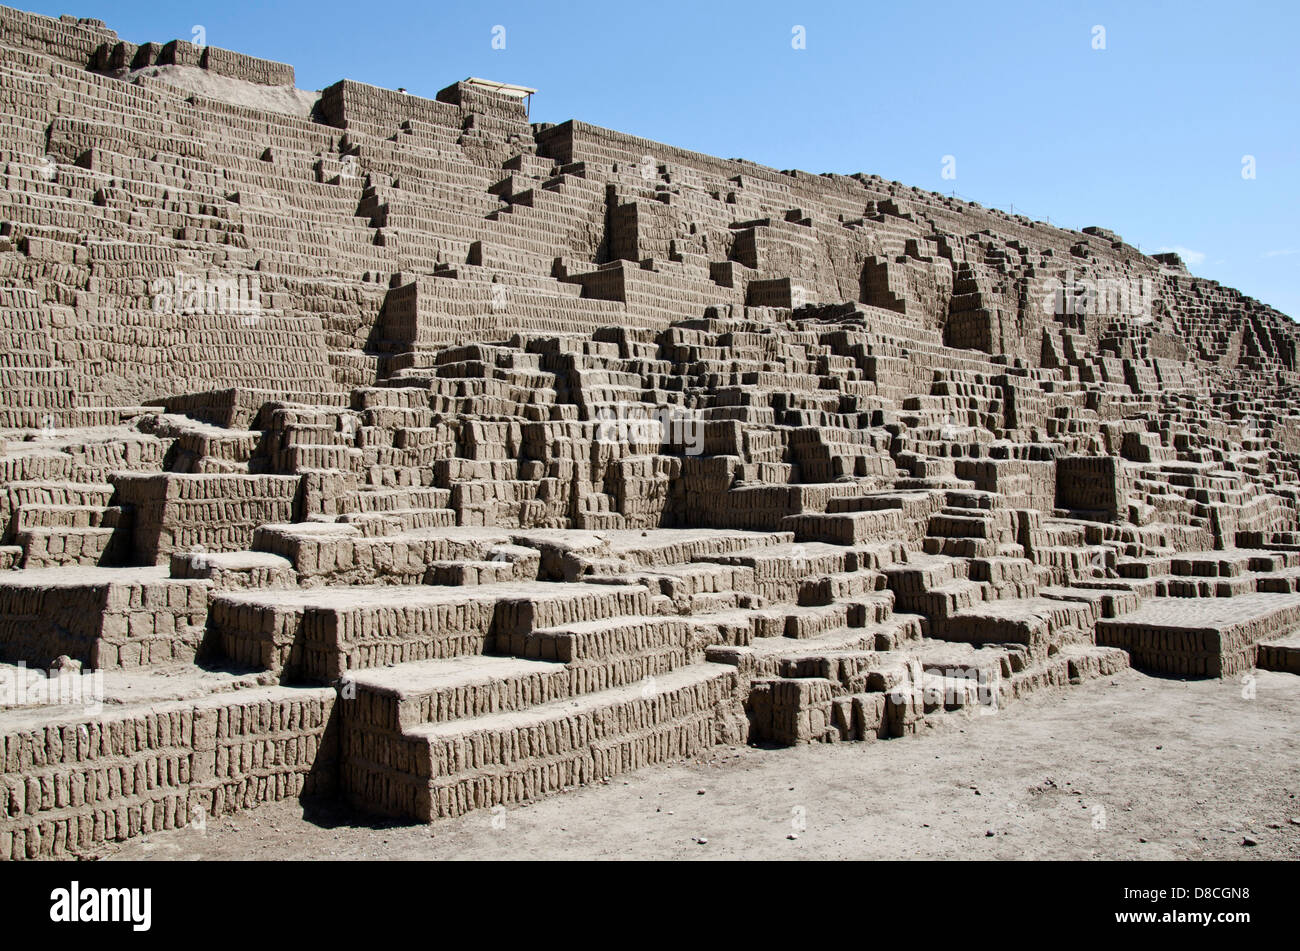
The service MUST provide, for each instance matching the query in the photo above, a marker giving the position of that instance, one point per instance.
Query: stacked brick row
(73, 785)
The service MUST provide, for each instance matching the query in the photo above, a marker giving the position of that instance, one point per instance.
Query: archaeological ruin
(409, 454)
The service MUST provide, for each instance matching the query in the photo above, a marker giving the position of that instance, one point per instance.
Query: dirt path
(1127, 767)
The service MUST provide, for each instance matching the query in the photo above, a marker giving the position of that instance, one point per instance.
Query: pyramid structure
(404, 451)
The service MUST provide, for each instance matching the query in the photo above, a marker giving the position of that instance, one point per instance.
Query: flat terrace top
(31, 698)
(428, 675)
(1184, 613)
(633, 539)
(83, 576)
(380, 596)
(623, 540)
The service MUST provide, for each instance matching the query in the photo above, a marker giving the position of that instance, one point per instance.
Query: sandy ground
(1126, 767)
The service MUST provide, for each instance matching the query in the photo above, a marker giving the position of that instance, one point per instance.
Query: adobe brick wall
(76, 783)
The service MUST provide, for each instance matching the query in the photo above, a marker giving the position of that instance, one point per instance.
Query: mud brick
(1190, 638)
(487, 458)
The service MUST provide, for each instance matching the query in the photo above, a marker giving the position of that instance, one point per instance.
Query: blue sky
(1147, 136)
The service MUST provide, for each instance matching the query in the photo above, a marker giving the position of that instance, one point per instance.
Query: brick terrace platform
(1201, 637)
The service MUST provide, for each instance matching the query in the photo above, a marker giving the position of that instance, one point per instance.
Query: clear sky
(1148, 136)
